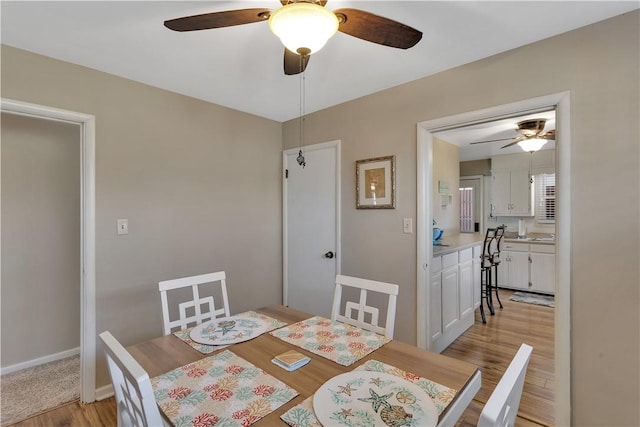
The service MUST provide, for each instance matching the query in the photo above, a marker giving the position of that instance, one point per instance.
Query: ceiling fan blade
(493, 140)
(227, 18)
(376, 29)
(294, 63)
(550, 135)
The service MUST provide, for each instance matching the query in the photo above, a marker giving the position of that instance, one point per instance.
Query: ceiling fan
(298, 22)
(529, 130)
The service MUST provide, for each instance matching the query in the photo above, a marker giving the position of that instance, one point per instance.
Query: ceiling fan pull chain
(301, 161)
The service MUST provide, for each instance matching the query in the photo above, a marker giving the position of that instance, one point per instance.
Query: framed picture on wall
(376, 183)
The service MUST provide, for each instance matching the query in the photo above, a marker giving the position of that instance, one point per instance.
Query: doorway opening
(87, 234)
(471, 209)
(425, 135)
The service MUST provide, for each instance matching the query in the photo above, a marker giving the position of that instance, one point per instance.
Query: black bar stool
(486, 268)
(495, 261)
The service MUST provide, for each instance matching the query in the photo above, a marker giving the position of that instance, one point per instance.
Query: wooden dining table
(163, 354)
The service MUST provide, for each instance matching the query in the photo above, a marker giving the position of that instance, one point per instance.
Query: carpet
(34, 390)
(536, 299)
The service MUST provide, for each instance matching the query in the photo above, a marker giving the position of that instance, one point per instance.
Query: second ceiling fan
(298, 22)
(528, 130)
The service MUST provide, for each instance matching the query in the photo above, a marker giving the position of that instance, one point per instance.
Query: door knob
(328, 255)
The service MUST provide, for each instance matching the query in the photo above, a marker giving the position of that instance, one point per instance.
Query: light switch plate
(123, 226)
(407, 225)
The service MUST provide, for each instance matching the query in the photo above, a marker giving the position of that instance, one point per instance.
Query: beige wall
(475, 167)
(200, 185)
(446, 168)
(40, 238)
(598, 64)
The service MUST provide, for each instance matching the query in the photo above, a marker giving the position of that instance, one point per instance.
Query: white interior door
(471, 214)
(311, 241)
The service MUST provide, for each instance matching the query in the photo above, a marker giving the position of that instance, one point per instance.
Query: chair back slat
(204, 308)
(355, 313)
(136, 404)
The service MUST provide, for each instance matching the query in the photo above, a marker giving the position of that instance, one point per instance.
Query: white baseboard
(104, 392)
(39, 361)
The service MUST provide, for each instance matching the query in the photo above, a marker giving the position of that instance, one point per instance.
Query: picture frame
(376, 183)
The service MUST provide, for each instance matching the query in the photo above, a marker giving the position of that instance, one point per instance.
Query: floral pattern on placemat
(221, 390)
(337, 341)
(185, 336)
(302, 415)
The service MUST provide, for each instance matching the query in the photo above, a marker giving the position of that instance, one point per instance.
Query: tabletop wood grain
(163, 354)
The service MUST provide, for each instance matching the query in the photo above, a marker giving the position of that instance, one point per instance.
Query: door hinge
(286, 173)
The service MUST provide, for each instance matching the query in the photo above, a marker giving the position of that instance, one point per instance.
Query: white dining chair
(196, 309)
(502, 407)
(366, 317)
(136, 404)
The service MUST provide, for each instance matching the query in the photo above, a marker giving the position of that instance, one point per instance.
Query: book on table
(291, 360)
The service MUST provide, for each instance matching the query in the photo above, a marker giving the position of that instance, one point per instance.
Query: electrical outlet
(123, 226)
(407, 225)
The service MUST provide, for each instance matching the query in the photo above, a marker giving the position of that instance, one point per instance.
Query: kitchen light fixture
(532, 144)
(303, 28)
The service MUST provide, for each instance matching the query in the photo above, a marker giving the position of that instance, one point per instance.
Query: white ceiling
(241, 67)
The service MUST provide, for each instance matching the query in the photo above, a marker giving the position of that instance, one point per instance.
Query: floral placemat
(222, 390)
(337, 341)
(185, 336)
(302, 415)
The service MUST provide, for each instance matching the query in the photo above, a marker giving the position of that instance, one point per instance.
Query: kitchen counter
(537, 238)
(460, 241)
(456, 242)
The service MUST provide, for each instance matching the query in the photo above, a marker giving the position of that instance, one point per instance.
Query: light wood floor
(490, 346)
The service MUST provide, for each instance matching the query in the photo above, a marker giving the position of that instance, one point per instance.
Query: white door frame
(87, 254)
(285, 253)
(425, 131)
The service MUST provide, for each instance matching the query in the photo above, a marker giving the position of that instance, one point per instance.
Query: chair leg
(485, 292)
(496, 287)
(489, 297)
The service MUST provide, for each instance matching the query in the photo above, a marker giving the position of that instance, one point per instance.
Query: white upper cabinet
(512, 189)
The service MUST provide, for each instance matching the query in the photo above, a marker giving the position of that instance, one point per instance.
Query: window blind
(545, 209)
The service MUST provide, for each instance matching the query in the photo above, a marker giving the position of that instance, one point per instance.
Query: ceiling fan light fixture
(532, 144)
(303, 28)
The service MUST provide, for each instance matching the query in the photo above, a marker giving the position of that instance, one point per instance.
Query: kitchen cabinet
(512, 193)
(514, 260)
(543, 268)
(528, 267)
(477, 265)
(511, 186)
(452, 293)
(435, 307)
(465, 278)
(449, 297)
